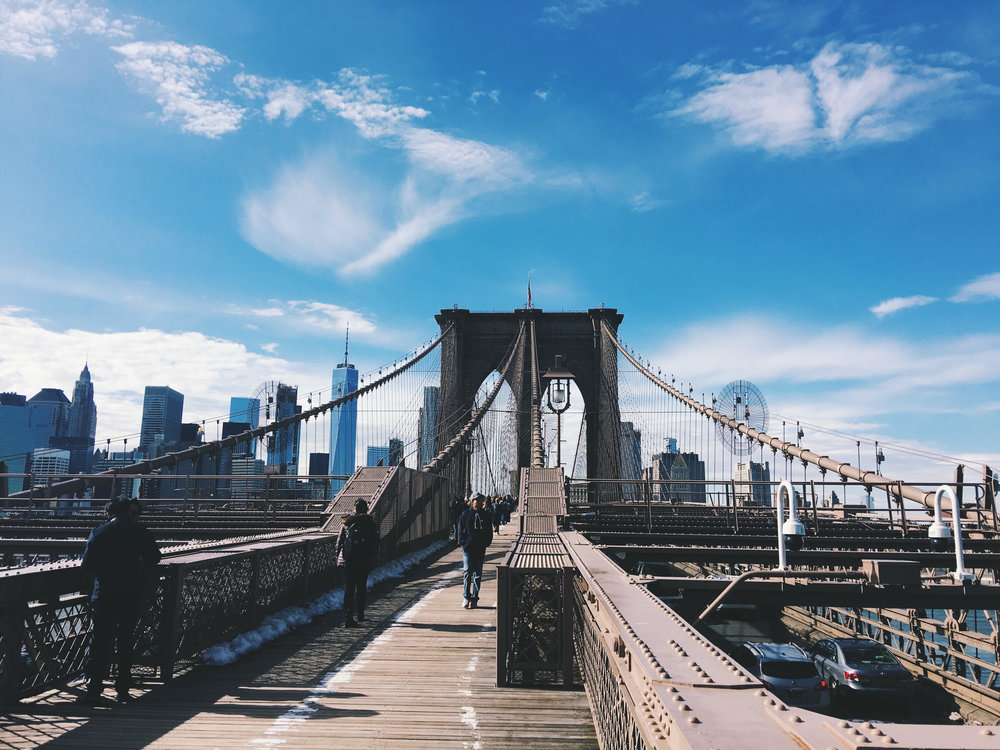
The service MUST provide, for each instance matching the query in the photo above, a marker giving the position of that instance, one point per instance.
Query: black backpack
(359, 540)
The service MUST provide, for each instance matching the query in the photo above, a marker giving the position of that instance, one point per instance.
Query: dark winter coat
(118, 553)
(370, 557)
(475, 530)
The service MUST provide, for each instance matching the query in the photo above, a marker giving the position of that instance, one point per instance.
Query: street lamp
(557, 393)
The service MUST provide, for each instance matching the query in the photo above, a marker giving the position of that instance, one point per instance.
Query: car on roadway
(787, 671)
(862, 668)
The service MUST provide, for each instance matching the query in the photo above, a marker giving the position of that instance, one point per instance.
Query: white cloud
(178, 77)
(31, 29)
(318, 214)
(568, 13)
(770, 108)
(643, 202)
(980, 289)
(462, 160)
(364, 101)
(848, 94)
(207, 370)
(543, 95)
(896, 304)
(308, 316)
(830, 377)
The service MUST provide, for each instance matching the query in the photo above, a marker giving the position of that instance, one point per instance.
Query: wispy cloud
(315, 215)
(33, 29)
(643, 202)
(307, 316)
(568, 13)
(979, 290)
(847, 95)
(178, 76)
(896, 304)
(827, 377)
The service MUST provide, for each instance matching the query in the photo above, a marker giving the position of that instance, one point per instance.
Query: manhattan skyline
(798, 194)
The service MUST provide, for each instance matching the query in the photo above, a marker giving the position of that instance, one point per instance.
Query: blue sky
(800, 194)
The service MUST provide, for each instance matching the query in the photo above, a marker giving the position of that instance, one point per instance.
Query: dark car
(787, 671)
(862, 667)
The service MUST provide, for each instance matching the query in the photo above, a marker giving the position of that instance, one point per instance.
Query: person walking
(357, 551)
(118, 554)
(475, 534)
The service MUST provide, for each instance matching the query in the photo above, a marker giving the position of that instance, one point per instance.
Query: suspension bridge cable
(195, 452)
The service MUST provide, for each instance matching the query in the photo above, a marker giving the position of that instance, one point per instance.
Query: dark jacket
(370, 558)
(475, 530)
(118, 553)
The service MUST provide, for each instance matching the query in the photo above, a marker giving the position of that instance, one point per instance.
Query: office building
(79, 439)
(162, 411)
(246, 411)
(49, 465)
(395, 457)
(427, 426)
(48, 416)
(283, 444)
(751, 483)
(343, 422)
(631, 460)
(677, 477)
(15, 440)
(377, 454)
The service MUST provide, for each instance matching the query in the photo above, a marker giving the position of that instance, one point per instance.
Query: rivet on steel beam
(694, 720)
(795, 719)
(986, 733)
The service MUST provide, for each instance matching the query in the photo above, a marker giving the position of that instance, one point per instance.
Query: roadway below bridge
(421, 673)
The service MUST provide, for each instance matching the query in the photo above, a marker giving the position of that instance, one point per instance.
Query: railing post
(169, 621)
(902, 507)
(566, 616)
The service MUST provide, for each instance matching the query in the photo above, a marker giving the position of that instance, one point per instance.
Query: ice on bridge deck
(420, 674)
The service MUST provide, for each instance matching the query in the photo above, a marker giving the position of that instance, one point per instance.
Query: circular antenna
(741, 400)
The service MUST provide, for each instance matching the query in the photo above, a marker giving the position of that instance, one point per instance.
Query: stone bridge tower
(478, 343)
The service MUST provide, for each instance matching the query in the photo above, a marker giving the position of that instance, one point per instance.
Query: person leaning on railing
(118, 553)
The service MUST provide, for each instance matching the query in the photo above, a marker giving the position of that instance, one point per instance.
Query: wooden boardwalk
(421, 674)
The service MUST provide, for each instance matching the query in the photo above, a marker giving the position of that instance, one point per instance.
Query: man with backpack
(475, 534)
(357, 551)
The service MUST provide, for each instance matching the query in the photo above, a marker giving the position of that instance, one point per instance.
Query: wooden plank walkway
(421, 674)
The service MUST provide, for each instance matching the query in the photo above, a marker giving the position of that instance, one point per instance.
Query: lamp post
(557, 394)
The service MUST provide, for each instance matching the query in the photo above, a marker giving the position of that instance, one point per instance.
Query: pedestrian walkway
(421, 673)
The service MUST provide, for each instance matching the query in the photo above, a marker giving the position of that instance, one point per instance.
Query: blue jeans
(472, 573)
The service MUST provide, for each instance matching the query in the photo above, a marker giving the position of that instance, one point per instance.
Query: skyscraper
(395, 452)
(427, 426)
(283, 445)
(751, 483)
(162, 410)
(82, 425)
(246, 410)
(631, 460)
(377, 453)
(343, 422)
(48, 416)
(15, 439)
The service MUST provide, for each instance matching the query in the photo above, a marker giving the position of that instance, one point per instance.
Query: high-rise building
(242, 485)
(750, 483)
(677, 476)
(246, 410)
(631, 460)
(82, 426)
(123, 487)
(343, 422)
(427, 426)
(48, 416)
(395, 457)
(162, 411)
(15, 440)
(283, 444)
(377, 453)
(49, 465)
